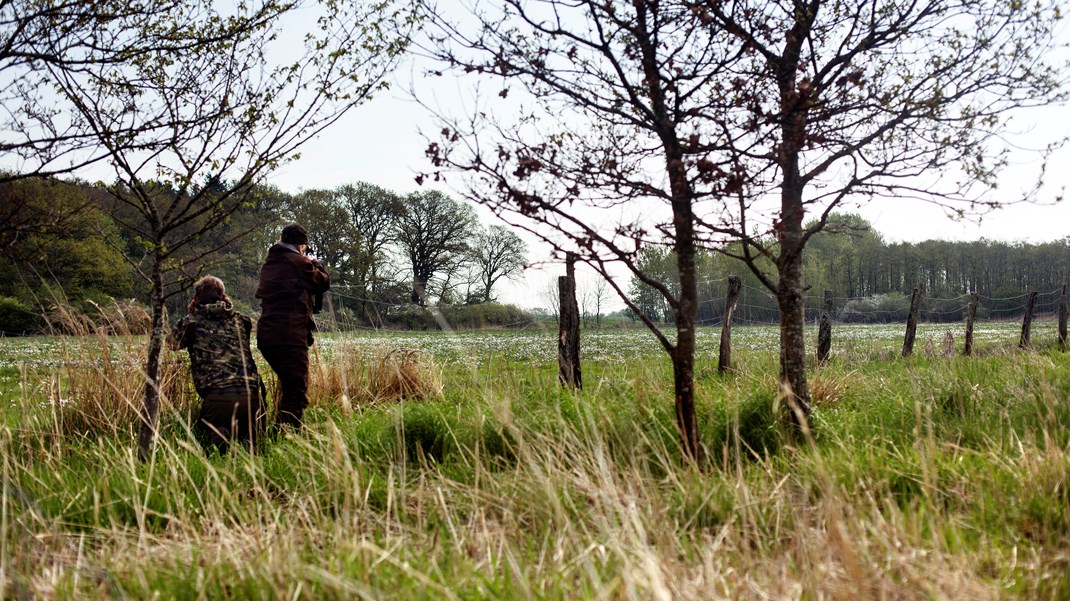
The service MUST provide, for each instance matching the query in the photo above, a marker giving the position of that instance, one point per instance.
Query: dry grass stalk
(352, 377)
(99, 384)
(930, 346)
(827, 388)
(949, 343)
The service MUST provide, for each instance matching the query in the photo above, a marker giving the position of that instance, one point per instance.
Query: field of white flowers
(619, 345)
(603, 346)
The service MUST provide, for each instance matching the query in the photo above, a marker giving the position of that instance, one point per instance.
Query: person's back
(221, 357)
(289, 281)
(224, 371)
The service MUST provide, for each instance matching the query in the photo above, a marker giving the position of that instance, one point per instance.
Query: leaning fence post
(1027, 320)
(912, 320)
(971, 315)
(568, 340)
(1062, 319)
(824, 331)
(724, 355)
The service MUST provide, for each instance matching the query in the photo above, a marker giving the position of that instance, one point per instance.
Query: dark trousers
(290, 364)
(230, 417)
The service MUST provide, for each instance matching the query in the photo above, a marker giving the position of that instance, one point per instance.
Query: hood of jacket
(221, 310)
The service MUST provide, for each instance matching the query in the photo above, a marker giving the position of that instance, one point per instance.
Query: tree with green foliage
(44, 264)
(374, 212)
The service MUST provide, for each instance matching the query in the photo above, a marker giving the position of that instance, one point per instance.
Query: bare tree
(550, 300)
(497, 253)
(601, 294)
(232, 118)
(885, 100)
(593, 295)
(433, 232)
(603, 128)
(729, 121)
(44, 133)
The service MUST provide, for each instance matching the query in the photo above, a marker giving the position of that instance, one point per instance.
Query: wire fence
(349, 310)
(758, 306)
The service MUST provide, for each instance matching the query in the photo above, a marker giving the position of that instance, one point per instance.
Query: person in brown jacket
(289, 284)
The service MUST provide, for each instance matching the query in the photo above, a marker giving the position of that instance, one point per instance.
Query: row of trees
(383, 249)
(870, 279)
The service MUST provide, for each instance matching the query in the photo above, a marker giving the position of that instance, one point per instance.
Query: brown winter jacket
(289, 281)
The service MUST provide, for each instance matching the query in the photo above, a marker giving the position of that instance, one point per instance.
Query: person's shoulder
(299, 259)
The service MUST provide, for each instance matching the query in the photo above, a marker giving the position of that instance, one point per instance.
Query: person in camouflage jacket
(224, 372)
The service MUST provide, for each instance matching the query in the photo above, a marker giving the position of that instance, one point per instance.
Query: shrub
(488, 315)
(483, 315)
(882, 308)
(16, 317)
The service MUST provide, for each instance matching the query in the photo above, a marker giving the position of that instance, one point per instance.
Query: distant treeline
(68, 243)
(871, 280)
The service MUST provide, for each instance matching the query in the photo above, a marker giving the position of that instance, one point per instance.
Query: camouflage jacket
(217, 338)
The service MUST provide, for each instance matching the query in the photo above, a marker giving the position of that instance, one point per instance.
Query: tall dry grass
(97, 385)
(354, 376)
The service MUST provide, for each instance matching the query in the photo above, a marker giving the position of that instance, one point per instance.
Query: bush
(486, 315)
(17, 317)
(882, 308)
(483, 315)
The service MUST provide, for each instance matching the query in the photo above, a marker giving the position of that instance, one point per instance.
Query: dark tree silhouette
(433, 232)
(497, 253)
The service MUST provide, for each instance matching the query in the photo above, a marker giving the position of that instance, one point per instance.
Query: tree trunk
(568, 340)
(724, 355)
(912, 321)
(1062, 318)
(793, 114)
(150, 408)
(683, 364)
(1027, 320)
(971, 315)
(793, 383)
(685, 314)
(824, 332)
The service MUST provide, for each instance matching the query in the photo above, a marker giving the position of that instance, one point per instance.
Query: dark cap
(294, 234)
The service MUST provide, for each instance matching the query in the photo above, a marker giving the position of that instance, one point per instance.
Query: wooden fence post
(724, 355)
(568, 340)
(1027, 320)
(824, 331)
(971, 315)
(912, 320)
(1062, 319)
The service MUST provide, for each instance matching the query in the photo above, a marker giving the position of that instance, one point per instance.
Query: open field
(463, 471)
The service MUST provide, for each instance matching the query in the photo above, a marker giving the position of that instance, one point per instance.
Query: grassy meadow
(453, 466)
